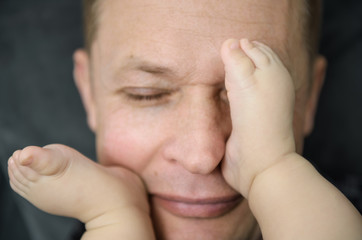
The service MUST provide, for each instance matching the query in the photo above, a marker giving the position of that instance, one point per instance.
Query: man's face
(158, 104)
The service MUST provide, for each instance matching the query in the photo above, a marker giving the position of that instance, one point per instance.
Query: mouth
(196, 208)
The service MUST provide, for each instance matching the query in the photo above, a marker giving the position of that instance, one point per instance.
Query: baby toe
(16, 154)
(238, 66)
(17, 186)
(235, 59)
(29, 173)
(26, 155)
(16, 176)
(36, 160)
(260, 57)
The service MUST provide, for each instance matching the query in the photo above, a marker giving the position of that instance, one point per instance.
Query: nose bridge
(200, 138)
(203, 117)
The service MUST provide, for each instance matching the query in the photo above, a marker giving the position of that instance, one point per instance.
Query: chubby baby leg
(59, 180)
(288, 197)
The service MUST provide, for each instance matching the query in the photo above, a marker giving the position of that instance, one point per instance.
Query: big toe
(43, 161)
(238, 66)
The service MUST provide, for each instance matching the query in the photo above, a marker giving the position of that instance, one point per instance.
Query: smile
(197, 208)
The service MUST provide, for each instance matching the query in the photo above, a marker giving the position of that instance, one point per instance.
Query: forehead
(191, 31)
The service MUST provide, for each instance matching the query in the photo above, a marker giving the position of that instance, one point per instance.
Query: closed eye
(147, 96)
(152, 97)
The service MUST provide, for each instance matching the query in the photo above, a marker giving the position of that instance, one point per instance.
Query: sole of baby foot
(261, 97)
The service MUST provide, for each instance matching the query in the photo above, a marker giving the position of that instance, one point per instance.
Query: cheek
(123, 139)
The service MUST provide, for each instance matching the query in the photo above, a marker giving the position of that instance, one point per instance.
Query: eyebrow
(139, 64)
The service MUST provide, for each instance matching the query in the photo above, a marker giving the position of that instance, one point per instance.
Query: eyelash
(153, 97)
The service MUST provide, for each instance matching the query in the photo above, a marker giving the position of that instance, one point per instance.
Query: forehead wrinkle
(213, 12)
(276, 28)
(153, 72)
(276, 34)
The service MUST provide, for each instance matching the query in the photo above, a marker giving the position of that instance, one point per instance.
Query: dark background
(40, 105)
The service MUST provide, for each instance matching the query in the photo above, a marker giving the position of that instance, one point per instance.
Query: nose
(199, 139)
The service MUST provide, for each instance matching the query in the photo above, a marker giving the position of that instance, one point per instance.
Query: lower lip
(197, 209)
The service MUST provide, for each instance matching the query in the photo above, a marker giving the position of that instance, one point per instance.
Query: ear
(319, 71)
(83, 82)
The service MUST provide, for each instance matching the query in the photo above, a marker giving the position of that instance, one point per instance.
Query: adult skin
(153, 89)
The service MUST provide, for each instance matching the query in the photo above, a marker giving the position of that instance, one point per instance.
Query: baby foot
(32, 169)
(61, 181)
(261, 95)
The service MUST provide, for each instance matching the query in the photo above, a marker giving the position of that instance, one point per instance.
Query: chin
(238, 224)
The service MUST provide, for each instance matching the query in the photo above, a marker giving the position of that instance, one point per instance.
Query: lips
(196, 208)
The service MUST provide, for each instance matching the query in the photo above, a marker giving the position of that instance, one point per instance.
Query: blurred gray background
(39, 103)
